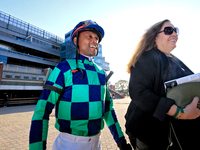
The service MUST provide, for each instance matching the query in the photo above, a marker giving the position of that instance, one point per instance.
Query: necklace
(177, 64)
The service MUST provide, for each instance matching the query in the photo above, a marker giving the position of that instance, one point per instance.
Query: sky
(124, 22)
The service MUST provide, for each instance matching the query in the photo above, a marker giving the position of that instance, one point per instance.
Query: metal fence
(15, 68)
(29, 28)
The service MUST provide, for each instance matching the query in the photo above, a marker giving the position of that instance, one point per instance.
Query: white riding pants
(66, 141)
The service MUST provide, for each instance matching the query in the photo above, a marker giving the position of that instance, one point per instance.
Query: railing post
(8, 22)
(43, 33)
(1, 71)
(27, 30)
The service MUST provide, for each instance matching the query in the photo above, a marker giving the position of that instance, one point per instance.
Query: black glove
(124, 146)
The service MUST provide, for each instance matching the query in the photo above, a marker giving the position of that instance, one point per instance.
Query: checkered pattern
(81, 109)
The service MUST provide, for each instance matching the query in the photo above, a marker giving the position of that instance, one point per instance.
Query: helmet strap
(97, 51)
(76, 46)
(77, 56)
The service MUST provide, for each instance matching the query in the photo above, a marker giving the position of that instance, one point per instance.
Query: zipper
(178, 64)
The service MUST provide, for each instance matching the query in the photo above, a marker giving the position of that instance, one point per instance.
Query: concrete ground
(15, 126)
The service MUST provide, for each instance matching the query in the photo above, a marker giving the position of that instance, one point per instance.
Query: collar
(86, 60)
(83, 57)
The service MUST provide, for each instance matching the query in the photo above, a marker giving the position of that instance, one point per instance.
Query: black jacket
(146, 117)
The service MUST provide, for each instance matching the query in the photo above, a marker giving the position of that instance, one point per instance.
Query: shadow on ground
(16, 109)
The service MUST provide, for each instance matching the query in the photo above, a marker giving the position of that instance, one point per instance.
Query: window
(26, 78)
(35, 40)
(41, 79)
(17, 77)
(8, 76)
(66, 36)
(34, 78)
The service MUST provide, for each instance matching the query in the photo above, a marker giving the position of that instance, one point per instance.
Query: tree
(122, 85)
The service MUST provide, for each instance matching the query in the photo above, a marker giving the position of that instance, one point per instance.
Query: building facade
(26, 52)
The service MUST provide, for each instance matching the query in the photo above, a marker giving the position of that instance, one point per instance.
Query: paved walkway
(15, 125)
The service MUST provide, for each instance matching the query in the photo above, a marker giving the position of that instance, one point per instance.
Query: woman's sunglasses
(170, 30)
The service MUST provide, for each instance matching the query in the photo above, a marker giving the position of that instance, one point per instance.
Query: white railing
(15, 68)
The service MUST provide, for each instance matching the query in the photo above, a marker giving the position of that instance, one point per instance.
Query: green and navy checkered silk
(82, 105)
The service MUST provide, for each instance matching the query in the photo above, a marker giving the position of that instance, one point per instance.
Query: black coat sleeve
(146, 84)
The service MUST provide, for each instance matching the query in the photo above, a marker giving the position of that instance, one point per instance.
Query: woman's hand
(191, 111)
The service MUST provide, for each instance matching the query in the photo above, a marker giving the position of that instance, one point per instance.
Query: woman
(152, 119)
